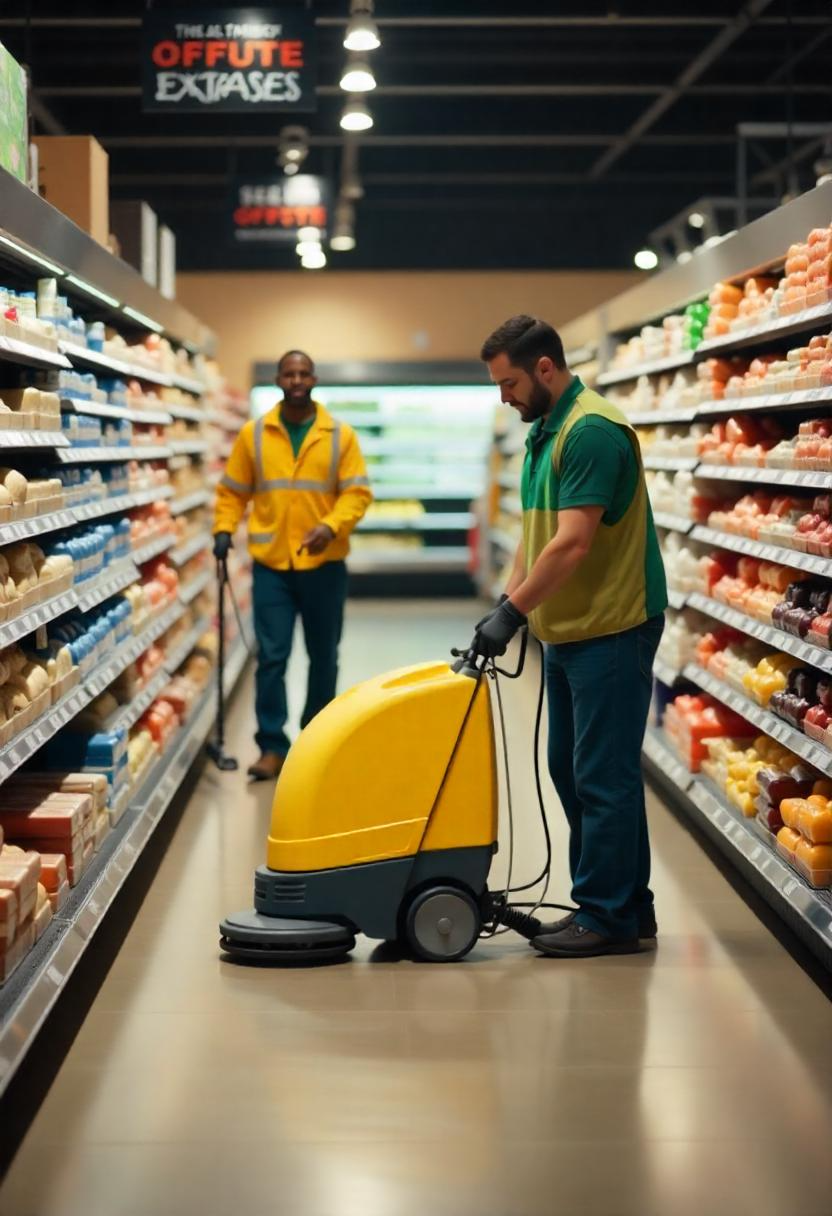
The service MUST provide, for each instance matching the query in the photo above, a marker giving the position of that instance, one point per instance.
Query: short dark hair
(288, 354)
(525, 340)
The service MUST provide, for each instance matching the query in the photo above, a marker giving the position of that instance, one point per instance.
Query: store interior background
(526, 159)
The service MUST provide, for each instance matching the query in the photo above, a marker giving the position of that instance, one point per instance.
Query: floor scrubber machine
(385, 823)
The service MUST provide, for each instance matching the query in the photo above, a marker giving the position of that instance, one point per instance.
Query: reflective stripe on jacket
(326, 484)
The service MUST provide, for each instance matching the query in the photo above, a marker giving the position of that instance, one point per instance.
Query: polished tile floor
(696, 1079)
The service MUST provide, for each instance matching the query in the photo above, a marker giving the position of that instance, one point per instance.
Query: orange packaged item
(791, 810)
(9, 918)
(53, 871)
(815, 821)
(787, 840)
(724, 293)
(814, 862)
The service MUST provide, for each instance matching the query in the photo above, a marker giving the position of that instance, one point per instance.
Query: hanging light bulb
(313, 258)
(343, 233)
(646, 259)
(362, 31)
(358, 77)
(356, 116)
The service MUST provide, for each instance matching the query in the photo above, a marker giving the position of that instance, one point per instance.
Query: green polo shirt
(598, 466)
(297, 431)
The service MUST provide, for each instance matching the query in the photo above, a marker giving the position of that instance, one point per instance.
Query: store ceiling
(505, 135)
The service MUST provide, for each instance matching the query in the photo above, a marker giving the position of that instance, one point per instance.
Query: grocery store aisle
(693, 1079)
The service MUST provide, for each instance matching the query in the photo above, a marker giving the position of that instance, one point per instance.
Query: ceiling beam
(715, 48)
(509, 180)
(44, 116)
(490, 91)
(117, 142)
(788, 65)
(678, 20)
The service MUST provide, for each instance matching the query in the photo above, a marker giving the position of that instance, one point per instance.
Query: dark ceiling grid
(535, 139)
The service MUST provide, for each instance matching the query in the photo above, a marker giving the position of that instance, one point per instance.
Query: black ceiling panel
(525, 135)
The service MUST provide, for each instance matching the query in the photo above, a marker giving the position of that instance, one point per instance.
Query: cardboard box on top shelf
(74, 176)
(167, 262)
(136, 229)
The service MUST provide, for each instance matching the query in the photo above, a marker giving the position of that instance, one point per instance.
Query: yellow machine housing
(360, 783)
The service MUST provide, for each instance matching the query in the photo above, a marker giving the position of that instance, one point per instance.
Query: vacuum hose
(521, 922)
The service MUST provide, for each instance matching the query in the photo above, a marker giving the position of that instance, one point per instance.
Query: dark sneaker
(577, 942)
(647, 928)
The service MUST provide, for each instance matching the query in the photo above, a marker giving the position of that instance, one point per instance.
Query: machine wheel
(442, 924)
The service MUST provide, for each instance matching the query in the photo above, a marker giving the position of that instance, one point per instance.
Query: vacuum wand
(216, 750)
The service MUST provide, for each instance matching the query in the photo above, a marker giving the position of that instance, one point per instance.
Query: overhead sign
(235, 60)
(273, 209)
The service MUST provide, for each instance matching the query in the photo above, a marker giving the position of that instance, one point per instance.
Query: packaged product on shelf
(679, 640)
(690, 720)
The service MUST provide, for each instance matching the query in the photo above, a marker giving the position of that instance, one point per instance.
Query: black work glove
(483, 619)
(222, 543)
(496, 630)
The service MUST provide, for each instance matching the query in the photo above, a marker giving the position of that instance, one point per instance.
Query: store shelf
(438, 521)
(96, 409)
(670, 464)
(511, 503)
(25, 529)
(508, 481)
(798, 478)
(180, 653)
(103, 676)
(12, 350)
(620, 375)
(24, 745)
(188, 447)
(807, 911)
(42, 614)
(770, 332)
(129, 714)
(657, 749)
(188, 384)
(768, 553)
(674, 523)
(664, 672)
(815, 656)
(677, 599)
(112, 580)
(82, 356)
(661, 417)
(122, 502)
(153, 548)
(190, 548)
(30, 994)
(423, 493)
(195, 586)
(189, 413)
(92, 455)
(813, 753)
(33, 439)
(504, 540)
(189, 502)
(765, 401)
(427, 561)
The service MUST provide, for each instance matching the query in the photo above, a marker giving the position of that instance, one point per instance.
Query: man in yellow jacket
(305, 477)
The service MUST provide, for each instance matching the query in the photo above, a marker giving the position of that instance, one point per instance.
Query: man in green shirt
(588, 578)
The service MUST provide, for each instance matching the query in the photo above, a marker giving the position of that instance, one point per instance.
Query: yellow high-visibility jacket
(327, 484)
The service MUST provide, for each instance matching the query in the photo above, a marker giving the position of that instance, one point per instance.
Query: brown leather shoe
(267, 768)
(647, 928)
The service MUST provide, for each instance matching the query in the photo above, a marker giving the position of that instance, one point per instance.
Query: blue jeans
(279, 597)
(599, 696)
